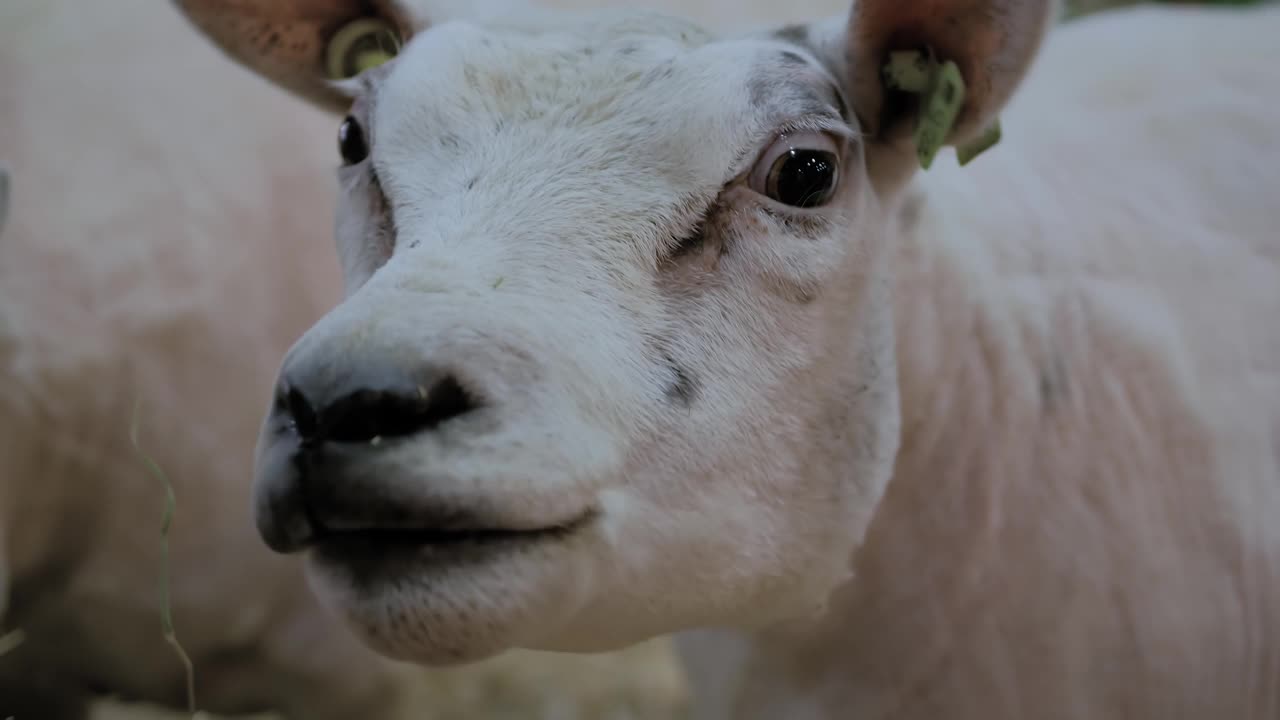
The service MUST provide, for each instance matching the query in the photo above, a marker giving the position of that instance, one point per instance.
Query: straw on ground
(166, 612)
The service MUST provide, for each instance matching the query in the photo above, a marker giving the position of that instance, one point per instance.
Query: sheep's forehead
(631, 112)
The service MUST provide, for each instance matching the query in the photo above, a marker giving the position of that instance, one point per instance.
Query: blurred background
(136, 149)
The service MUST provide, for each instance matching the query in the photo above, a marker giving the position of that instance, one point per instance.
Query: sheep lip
(402, 536)
(453, 536)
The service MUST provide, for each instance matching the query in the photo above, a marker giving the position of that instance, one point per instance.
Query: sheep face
(614, 358)
(616, 353)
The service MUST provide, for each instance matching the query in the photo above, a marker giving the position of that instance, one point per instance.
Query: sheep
(132, 270)
(653, 330)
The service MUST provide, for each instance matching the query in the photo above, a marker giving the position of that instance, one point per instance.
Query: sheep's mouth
(375, 561)
(369, 547)
(434, 537)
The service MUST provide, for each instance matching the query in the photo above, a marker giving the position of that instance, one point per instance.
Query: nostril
(301, 412)
(447, 399)
(365, 415)
(443, 401)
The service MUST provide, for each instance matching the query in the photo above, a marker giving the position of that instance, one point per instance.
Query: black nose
(322, 416)
(368, 412)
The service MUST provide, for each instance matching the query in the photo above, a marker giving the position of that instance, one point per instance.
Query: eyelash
(746, 157)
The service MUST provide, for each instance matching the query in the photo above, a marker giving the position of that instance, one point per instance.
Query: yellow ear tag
(941, 89)
(359, 46)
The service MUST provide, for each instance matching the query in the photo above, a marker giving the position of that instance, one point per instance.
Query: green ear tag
(908, 71)
(967, 152)
(941, 89)
(372, 59)
(939, 107)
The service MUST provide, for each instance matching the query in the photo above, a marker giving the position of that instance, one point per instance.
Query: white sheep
(651, 330)
(152, 255)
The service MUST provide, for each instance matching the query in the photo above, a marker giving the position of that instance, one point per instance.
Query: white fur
(567, 217)
(153, 256)
(1002, 443)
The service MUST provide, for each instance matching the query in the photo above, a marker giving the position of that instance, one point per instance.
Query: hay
(166, 521)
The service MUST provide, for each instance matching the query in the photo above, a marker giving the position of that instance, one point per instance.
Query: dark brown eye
(803, 178)
(351, 143)
(802, 172)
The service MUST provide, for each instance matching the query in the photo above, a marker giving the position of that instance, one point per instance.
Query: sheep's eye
(351, 143)
(801, 171)
(803, 178)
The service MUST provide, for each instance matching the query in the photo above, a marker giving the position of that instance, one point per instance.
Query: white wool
(1000, 441)
(997, 442)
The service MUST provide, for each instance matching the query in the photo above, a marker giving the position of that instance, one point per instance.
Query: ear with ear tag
(938, 72)
(307, 47)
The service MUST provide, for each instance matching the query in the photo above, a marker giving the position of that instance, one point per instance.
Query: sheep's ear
(308, 47)
(990, 44)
